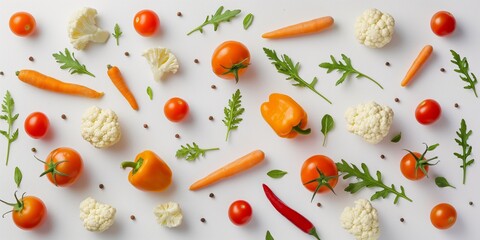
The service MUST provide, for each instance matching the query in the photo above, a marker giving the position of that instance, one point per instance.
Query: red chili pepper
(293, 216)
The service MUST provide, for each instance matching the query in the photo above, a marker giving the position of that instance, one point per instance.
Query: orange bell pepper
(149, 173)
(285, 116)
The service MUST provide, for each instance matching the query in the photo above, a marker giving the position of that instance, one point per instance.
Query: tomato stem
(321, 180)
(235, 68)
(52, 169)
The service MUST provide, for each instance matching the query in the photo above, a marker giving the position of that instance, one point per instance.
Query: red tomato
(309, 172)
(443, 216)
(28, 212)
(443, 23)
(22, 24)
(175, 109)
(63, 166)
(428, 111)
(408, 167)
(240, 212)
(36, 125)
(230, 60)
(146, 23)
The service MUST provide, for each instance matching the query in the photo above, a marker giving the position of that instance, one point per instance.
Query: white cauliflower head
(96, 217)
(168, 214)
(361, 221)
(161, 61)
(370, 121)
(82, 29)
(374, 29)
(100, 127)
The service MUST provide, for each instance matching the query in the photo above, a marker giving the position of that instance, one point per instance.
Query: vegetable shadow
(46, 228)
(82, 182)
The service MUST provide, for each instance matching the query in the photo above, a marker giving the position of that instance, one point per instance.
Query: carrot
(303, 28)
(242, 164)
(42, 81)
(417, 64)
(117, 79)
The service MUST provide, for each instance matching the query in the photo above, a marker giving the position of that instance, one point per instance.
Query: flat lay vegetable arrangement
(371, 134)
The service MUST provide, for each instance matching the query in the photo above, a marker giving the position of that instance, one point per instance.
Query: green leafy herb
(397, 138)
(327, 126)
(463, 135)
(365, 179)
(117, 32)
(346, 68)
(421, 161)
(192, 152)
(286, 66)
(276, 173)
(269, 236)
(150, 92)
(71, 63)
(17, 176)
(7, 115)
(247, 21)
(442, 182)
(465, 75)
(216, 19)
(233, 112)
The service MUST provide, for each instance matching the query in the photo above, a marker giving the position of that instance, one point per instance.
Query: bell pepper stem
(135, 165)
(301, 131)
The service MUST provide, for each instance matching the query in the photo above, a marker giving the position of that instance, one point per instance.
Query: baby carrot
(42, 81)
(417, 64)
(303, 28)
(117, 79)
(240, 165)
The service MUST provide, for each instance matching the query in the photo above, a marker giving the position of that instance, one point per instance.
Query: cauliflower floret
(162, 62)
(370, 121)
(82, 29)
(374, 29)
(168, 214)
(96, 217)
(361, 220)
(100, 127)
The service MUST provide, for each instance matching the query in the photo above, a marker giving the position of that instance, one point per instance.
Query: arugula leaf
(276, 173)
(397, 138)
(8, 106)
(117, 32)
(465, 75)
(285, 66)
(192, 152)
(365, 179)
(17, 176)
(442, 182)
(247, 21)
(71, 63)
(216, 19)
(327, 126)
(346, 68)
(269, 236)
(463, 135)
(150, 92)
(233, 112)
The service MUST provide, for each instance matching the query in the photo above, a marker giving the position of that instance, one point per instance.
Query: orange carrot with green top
(119, 82)
(240, 165)
(417, 64)
(44, 82)
(300, 29)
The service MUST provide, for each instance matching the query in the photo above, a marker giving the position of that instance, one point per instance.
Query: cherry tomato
(230, 60)
(28, 212)
(22, 24)
(443, 216)
(175, 109)
(443, 23)
(407, 166)
(146, 23)
(240, 212)
(63, 166)
(428, 111)
(309, 172)
(36, 125)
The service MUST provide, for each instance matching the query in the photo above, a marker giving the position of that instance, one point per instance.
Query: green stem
(313, 232)
(464, 171)
(9, 140)
(211, 149)
(8, 151)
(301, 131)
(299, 79)
(135, 165)
(365, 76)
(235, 68)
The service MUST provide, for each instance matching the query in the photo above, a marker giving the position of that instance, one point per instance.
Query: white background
(193, 82)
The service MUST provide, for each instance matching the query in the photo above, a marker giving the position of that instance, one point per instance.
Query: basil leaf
(18, 176)
(431, 148)
(442, 182)
(276, 174)
(247, 21)
(269, 236)
(397, 138)
(150, 92)
(327, 125)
